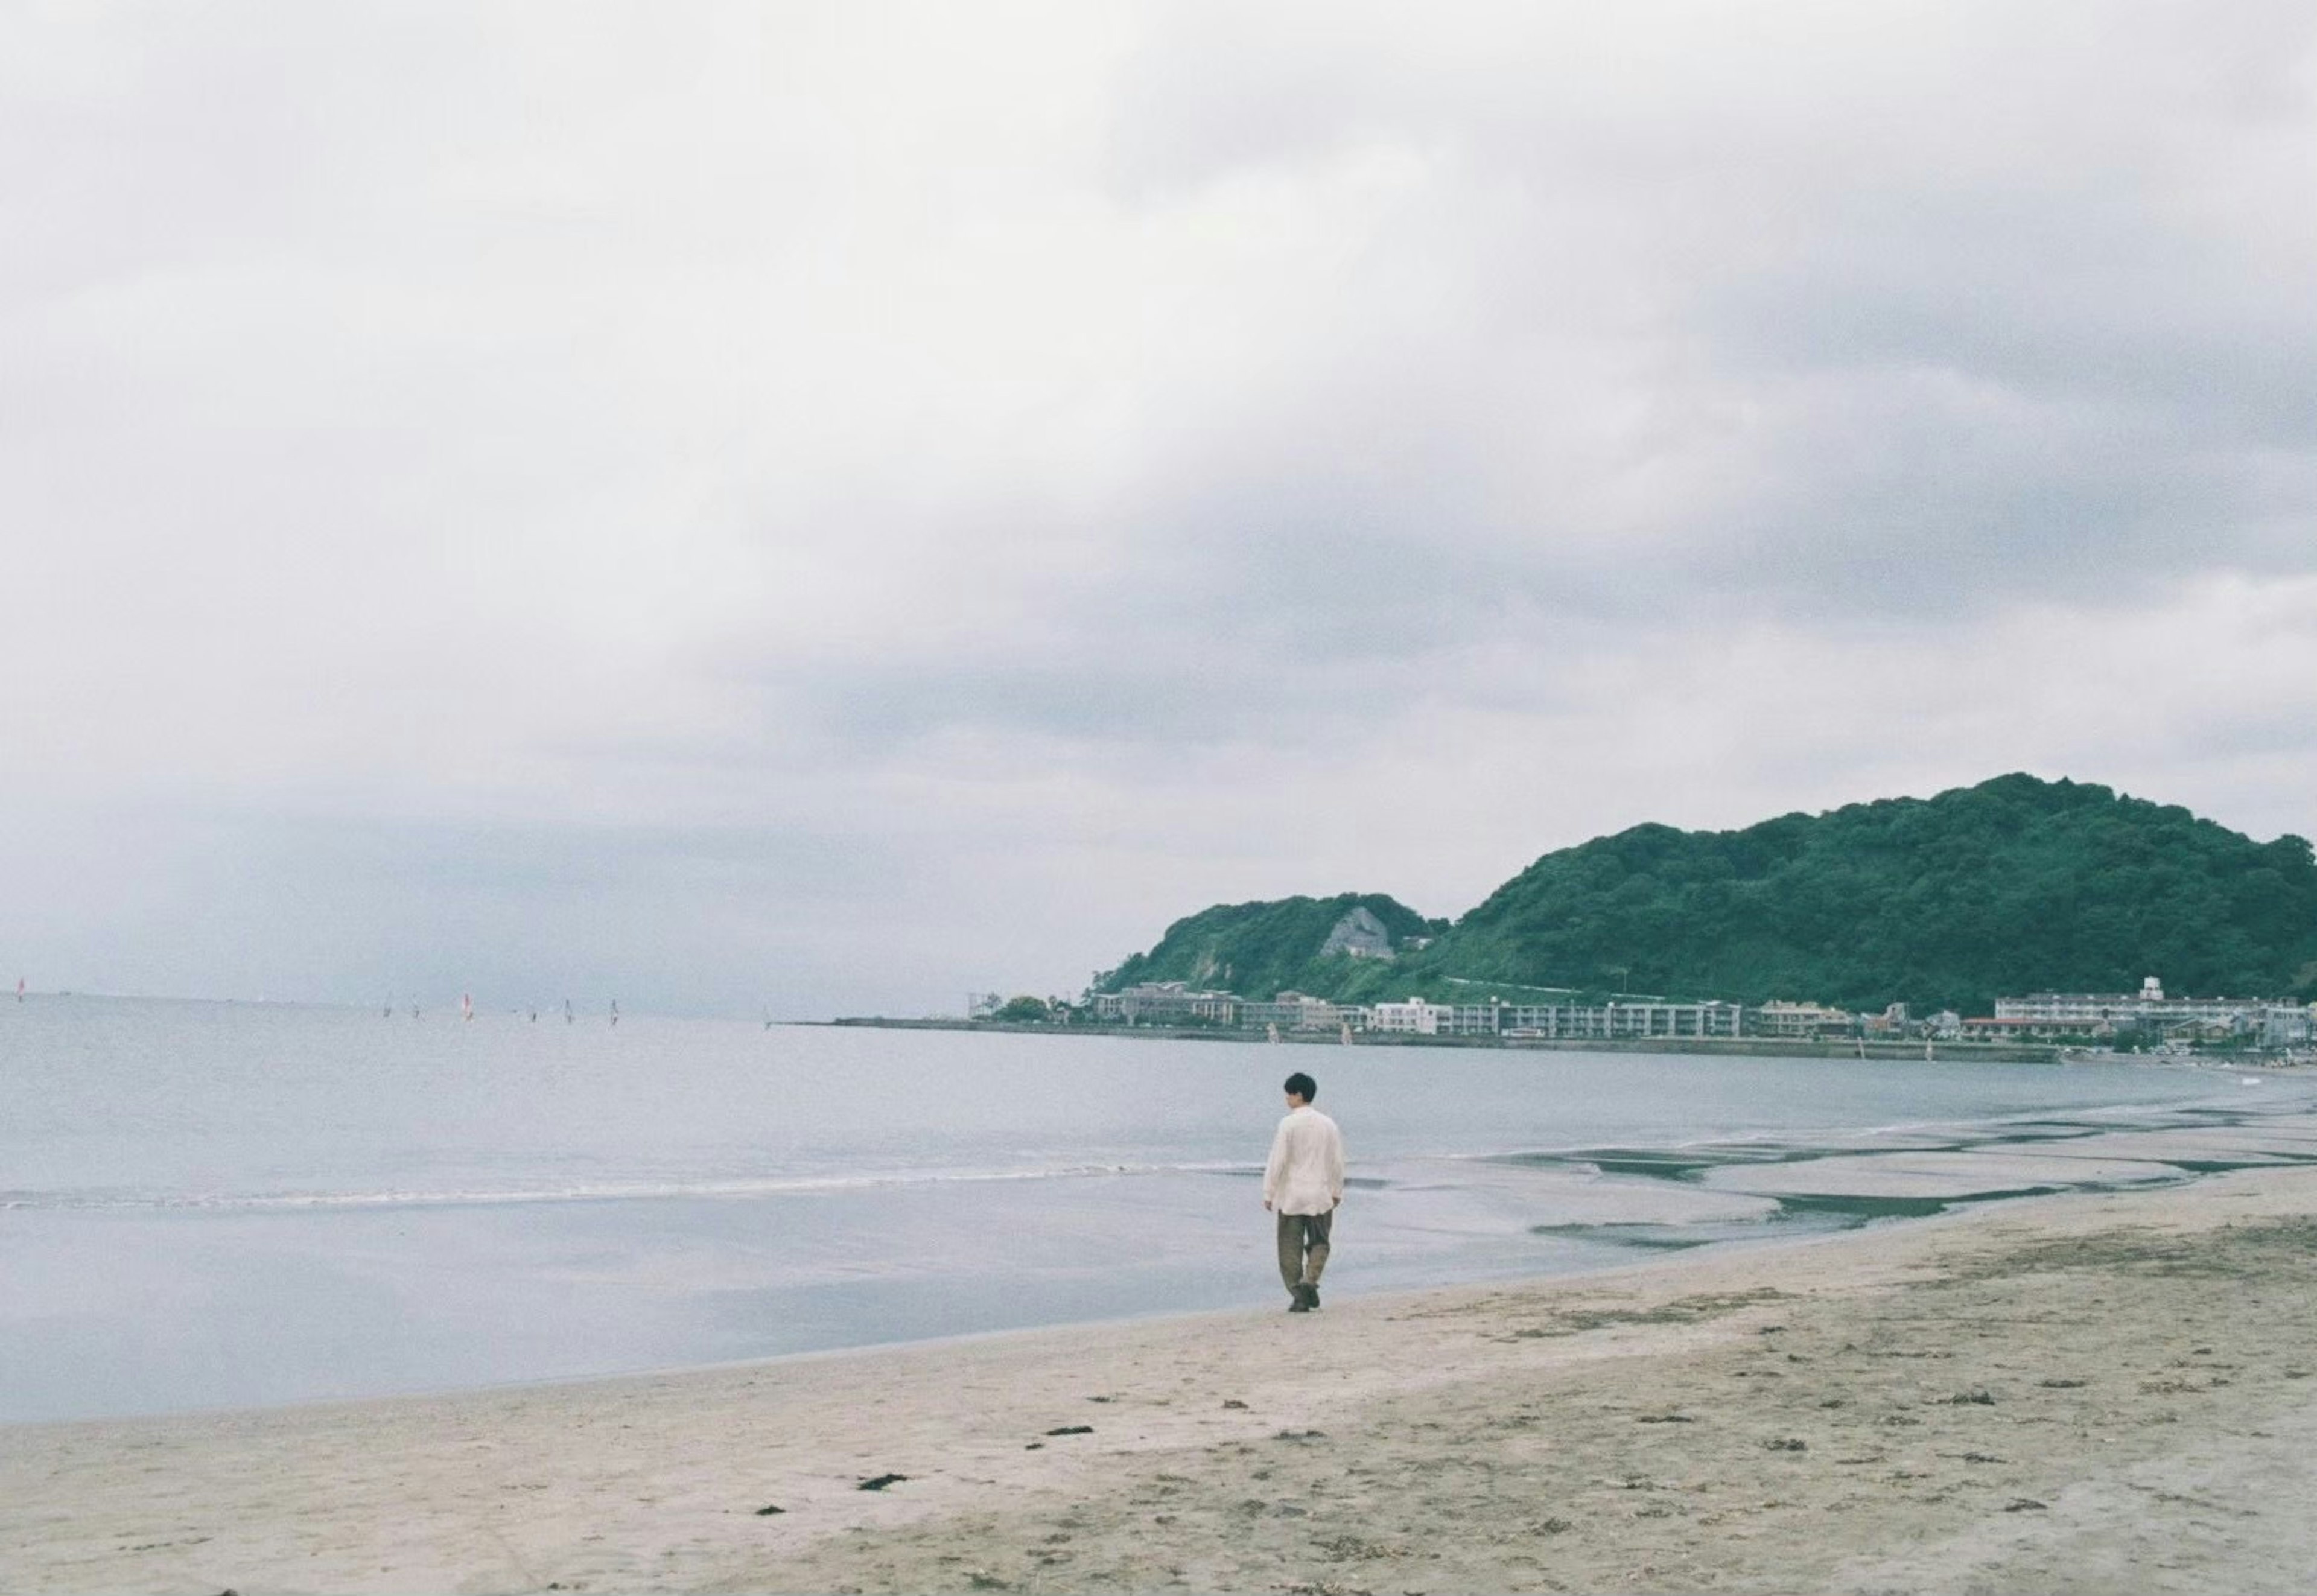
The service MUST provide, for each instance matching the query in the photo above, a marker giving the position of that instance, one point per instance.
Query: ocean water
(209, 1205)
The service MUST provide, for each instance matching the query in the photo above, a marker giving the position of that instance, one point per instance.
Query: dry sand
(2094, 1392)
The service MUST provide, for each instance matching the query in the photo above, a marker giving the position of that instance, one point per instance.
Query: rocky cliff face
(1359, 934)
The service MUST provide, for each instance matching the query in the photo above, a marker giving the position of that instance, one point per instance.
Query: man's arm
(1335, 1166)
(1276, 1167)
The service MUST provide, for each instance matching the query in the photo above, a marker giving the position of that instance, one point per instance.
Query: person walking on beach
(1301, 1184)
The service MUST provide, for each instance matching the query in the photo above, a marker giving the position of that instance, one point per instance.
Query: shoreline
(1871, 1409)
(1730, 1047)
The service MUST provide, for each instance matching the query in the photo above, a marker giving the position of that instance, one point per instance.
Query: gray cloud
(2001, 294)
(903, 503)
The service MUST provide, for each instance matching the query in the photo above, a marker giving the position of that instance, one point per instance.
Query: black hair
(1302, 1086)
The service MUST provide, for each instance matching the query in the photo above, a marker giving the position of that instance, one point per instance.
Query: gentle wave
(1837, 1138)
(1572, 1154)
(594, 1191)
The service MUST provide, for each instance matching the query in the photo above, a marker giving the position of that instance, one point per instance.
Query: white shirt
(1306, 1171)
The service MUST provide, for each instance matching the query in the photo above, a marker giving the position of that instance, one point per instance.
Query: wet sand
(2101, 1391)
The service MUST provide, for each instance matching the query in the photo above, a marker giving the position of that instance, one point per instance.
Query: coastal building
(1531, 1022)
(1472, 1019)
(1414, 1018)
(1610, 1022)
(1779, 1018)
(1166, 1003)
(1294, 1012)
(2148, 1012)
(1893, 1021)
(1980, 1028)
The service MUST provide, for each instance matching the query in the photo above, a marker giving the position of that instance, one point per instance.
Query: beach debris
(1035, 1446)
(1301, 1435)
(1072, 1429)
(1347, 1546)
(1234, 1402)
(2062, 1384)
(1553, 1526)
(1771, 1330)
(770, 1510)
(2024, 1504)
(982, 1579)
(879, 1482)
(1976, 1399)
(1787, 1443)
(1664, 1419)
(1980, 1457)
(1102, 1399)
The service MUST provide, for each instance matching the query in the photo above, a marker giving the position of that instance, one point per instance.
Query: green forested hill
(2014, 885)
(1257, 949)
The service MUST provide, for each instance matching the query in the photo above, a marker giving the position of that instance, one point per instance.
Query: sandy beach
(2100, 1391)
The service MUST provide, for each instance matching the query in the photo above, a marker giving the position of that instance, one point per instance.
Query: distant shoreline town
(2147, 1020)
(2007, 914)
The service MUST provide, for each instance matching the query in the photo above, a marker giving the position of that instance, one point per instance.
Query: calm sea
(207, 1204)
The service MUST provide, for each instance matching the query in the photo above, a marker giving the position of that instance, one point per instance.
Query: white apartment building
(1414, 1018)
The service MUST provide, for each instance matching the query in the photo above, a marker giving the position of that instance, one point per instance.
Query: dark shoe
(1311, 1297)
(1298, 1306)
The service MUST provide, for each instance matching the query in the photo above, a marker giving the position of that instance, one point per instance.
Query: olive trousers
(1303, 1248)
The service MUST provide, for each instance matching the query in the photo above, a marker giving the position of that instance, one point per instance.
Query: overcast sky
(823, 508)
